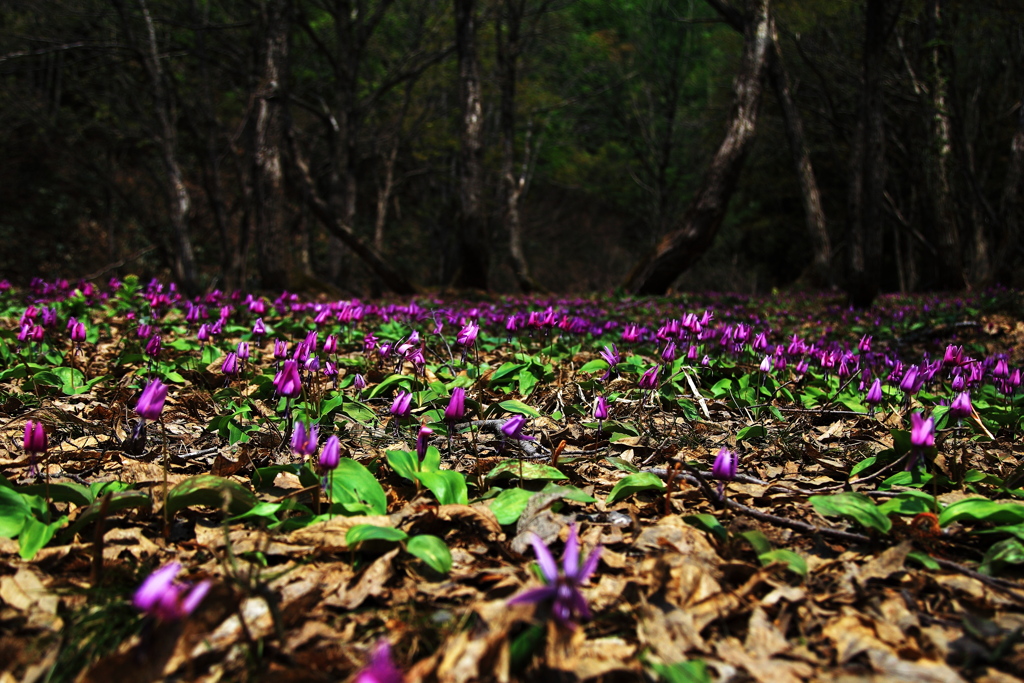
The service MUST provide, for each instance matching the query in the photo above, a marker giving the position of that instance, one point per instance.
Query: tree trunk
(473, 254)
(678, 250)
(814, 213)
(867, 164)
(951, 272)
(509, 47)
(178, 199)
(274, 245)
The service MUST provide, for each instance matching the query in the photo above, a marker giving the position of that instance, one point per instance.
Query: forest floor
(843, 548)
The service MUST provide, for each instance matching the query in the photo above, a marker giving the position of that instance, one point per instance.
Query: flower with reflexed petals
(562, 588)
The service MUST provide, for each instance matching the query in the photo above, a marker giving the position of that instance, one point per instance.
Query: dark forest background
(514, 145)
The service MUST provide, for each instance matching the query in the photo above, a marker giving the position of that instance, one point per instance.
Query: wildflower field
(700, 488)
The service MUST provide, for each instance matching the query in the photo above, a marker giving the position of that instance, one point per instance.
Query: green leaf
(752, 432)
(508, 505)
(370, 532)
(620, 464)
(62, 492)
(14, 511)
(709, 523)
(210, 491)
(404, 463)
(982, 510)
(854, 506)
(359, 412)
(403, 381)
(634, 483)
(568, 493)
(908, 503)
(758, 540)
(36, 534)
(514, 406)
(353, 487)
(448, 486)
(923, 559)
(598, 365)
(525, 645)
(795, 562)
(525, 470)
(693, 671)
(432, 551)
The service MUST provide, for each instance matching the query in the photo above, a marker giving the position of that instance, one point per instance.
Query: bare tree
(679, 249)
(472, 262)
(814, 213)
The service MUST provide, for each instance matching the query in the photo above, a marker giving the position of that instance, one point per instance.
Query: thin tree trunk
(814, 213)
(679, 249)
(473, 261)
(509, 47)
(274, 246)
(178, 199)
(867, 164)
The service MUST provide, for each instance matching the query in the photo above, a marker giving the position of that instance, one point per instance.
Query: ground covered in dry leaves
(689, 587)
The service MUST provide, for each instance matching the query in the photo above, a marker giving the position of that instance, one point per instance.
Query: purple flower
(259, 328)
(961, 406)
(669, 354)
(766, 364)
(153, 346)
(456, 405)
(166, 599)
(726, 464)
(601, 408)
(467, 335)
(151, 402)
(922, 431)
(78, 332)
(562, 589)
(243, 350)
(305, 442)
(359, 382)
(513, 428)
(280, 349)
(330, 344)
(230, 364)
(874, 395)
(204, 333)
(402, 404)
(649, 380)
(287, 381)
(611, 356)
(381, 668)
(421, 440)
(330, 456)
(35, 437)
